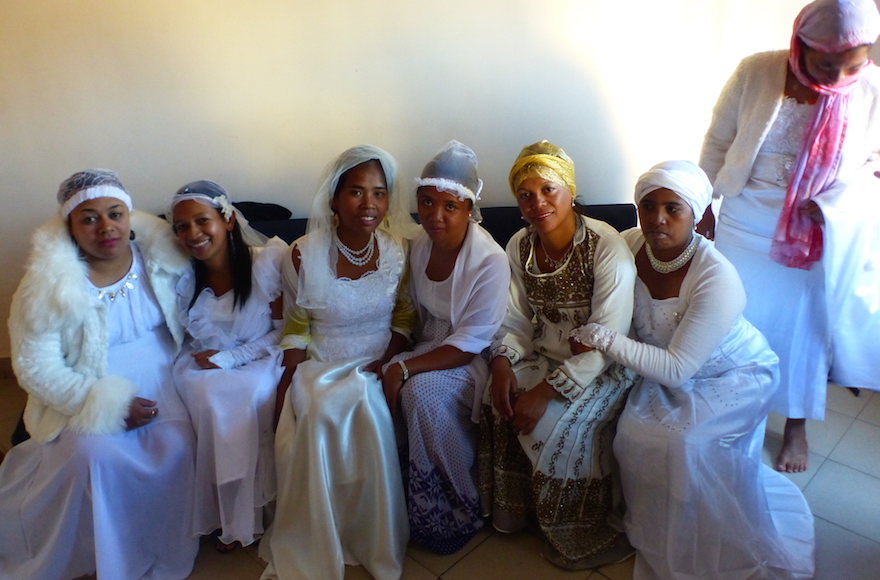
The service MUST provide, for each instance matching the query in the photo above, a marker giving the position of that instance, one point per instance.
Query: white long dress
(700, 503)
(120, 504)
(796, 330)
(232, 409)
(340, 493)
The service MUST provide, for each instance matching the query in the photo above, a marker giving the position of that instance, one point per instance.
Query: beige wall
(260, 95)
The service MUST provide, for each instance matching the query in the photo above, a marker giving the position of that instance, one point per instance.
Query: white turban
(685, 178)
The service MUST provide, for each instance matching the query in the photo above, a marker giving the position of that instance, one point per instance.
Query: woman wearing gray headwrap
(106, 482)
(700, 503)
(339, 491)
(459, 277)
(792, 149)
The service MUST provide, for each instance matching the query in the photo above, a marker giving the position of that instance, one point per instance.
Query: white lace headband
(220, 202)
(94, 193)
(450, 186)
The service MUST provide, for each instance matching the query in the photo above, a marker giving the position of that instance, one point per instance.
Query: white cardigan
(747, 108)
(60, 337)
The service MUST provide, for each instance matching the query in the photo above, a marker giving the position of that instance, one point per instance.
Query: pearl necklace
(129, 283)
(677, 263)
(357, 257)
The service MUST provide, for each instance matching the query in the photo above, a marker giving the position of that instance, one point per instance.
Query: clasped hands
(522, 410)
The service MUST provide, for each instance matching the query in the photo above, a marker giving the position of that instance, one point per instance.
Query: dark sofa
(501, 222)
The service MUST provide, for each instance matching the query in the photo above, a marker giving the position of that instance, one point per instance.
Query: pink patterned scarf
(831, 26)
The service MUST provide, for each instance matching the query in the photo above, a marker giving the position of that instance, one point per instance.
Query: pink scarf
(828, 26)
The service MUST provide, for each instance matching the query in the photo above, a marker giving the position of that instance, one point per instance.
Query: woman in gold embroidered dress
(548, 428)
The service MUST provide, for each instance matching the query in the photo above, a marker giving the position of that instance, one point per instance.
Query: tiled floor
(842, 486)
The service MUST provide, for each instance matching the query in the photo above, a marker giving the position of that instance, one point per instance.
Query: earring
(131, 235)
(231, 243)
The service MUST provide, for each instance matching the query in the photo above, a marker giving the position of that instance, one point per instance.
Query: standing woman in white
(229, 369)
(700, 503)
(788, 149)
(340, 497)
(106, 482)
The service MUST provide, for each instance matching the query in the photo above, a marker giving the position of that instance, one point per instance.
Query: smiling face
(202, 231)
(444, 217)
(834, 69)
(361, 200)
(101, 228)
(544, 204)
(667, 222)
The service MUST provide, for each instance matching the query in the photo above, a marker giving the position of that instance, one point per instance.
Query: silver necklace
(357, 257)
(674, 264)
(129, 284)
(556, 264)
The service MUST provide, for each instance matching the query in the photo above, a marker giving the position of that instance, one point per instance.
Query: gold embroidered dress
(561, 473)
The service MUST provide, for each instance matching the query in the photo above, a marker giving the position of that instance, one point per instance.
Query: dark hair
(241, 264)
(345, 173)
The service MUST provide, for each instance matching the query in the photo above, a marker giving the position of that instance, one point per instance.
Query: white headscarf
(317, 249)
(685, 178)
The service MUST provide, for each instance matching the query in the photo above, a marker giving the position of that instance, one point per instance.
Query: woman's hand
(813, 211)
(376, 367)
(140, 412)
(529, 407)
(503, 387)
(202, 359)
(291, 360)
(392, 382)
(706, 226)
(578, 347)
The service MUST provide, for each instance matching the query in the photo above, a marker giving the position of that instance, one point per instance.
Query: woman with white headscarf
(340, 495)
(228, 371)
(105, 484)
(459, 278)
(700, 503)
(788, 149)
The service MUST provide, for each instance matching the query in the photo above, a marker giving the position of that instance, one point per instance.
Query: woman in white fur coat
(792, 148)
(105, 484)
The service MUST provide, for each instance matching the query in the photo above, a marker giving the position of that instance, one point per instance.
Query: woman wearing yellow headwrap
(549, 425)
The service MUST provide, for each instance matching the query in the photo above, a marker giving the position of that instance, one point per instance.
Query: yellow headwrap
(545, 160)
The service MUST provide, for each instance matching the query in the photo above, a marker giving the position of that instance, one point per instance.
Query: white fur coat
(60, 337)
(748, 106)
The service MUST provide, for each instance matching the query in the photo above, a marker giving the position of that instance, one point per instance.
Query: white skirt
(232, 412)
(119, 504)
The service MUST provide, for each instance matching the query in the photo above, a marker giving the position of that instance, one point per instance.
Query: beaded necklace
(129, 284)
(676, 263)
(357, 257)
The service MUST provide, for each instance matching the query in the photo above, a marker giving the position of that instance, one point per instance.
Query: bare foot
(794, 455)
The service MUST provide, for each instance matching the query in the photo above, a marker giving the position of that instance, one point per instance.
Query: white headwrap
(317, 250)
(90, 184)
(685, 178)
(454, 170)
(213, 195)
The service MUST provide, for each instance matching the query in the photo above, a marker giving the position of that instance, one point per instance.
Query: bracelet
(405, 370)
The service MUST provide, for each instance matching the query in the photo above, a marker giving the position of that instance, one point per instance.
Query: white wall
(259, 96)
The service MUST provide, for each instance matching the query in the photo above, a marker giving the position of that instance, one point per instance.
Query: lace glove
(249, 351)
(593, 335)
